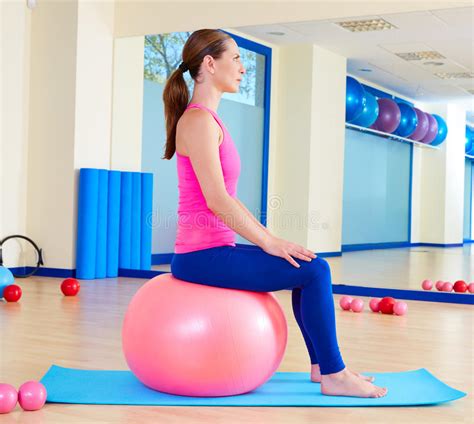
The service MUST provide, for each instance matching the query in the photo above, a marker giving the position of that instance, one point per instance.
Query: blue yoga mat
(68, 385)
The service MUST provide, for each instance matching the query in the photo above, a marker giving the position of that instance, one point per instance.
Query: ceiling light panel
(455, 75)
(424, 55)
(366, 25)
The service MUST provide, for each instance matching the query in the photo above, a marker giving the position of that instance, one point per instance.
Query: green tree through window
(163, 56)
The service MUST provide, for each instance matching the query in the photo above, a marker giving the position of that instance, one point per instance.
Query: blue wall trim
(46, 272)
(161, 258)
(410, 187)
(437, 245)
(328, 254)
(373, 246)
(139, 273)
(267, 52)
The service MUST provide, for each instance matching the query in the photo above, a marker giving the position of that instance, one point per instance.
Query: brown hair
(175, 94)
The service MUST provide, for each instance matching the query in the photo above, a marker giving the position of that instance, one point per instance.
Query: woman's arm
(252, 217)
(229, 210)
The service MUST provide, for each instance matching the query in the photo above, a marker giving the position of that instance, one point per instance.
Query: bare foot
(345, 383)
(316, 374)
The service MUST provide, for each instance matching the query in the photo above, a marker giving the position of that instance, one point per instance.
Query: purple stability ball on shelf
(389, 116)
(422, 126)
(432, 129)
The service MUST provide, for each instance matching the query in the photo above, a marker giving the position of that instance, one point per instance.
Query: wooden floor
(84, 332)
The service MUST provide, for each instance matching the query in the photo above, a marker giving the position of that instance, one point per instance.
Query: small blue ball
(6, 279)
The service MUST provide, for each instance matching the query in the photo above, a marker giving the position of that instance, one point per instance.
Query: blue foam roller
(125, 220)
(147, 218)
(113, 223)
(101, 254)
(87, 223)
(136, 220)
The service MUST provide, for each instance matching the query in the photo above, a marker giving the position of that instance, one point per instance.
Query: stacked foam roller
(113, 223)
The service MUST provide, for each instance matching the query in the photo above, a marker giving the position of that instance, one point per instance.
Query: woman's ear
(209, 64)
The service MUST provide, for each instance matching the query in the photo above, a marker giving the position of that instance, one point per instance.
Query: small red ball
(12, 293)
(460, 286)
(386, 305)
(70, 287)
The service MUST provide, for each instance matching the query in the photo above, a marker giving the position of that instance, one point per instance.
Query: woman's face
(229, 69)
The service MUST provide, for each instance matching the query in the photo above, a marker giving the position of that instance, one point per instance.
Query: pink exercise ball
(400, 308)
(191, 339)
(470, 288)
(357, 305)
(345, 302)
(447, 287)
(374, 305)
(32, 395)
(8, 398)
(427, 285)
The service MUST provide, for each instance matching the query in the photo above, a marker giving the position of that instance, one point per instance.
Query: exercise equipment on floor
(33, 264)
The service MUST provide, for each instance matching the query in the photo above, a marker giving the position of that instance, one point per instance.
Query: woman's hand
(286, 249)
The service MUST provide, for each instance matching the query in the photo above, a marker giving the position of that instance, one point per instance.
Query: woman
(209, 213)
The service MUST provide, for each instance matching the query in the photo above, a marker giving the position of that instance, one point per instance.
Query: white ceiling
(448, 31)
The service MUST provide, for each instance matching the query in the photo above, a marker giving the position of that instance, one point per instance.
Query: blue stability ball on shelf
(369, 112)
(408, 120)
(469, 139)
(442, 131)
(6, 279)
(355, 99)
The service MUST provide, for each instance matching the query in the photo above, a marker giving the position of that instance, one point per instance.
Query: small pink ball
(345, 302)
(400, 308)
(374, 305)
(447, 287)
(427, 285)
(357, 305)
(8, 398)
(470, 288)
(439, 285)
(32, 395)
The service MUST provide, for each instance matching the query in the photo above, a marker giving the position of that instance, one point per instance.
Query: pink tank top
(198, 227)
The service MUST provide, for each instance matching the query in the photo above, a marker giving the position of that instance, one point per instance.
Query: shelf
(390, 136)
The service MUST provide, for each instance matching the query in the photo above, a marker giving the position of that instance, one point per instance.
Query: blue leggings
(251, 268)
